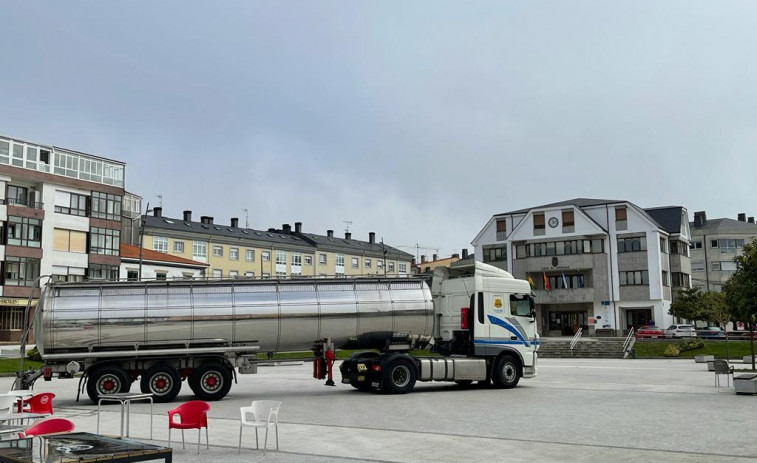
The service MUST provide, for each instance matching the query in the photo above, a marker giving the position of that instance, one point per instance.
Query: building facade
(232, 251)
(157, 265)
(60, 217)
(602, 265)
(427, 266)
(714, 244)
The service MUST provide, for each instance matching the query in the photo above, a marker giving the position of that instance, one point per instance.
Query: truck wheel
(398, 377)
(107, 380)
(210, 381)
(162, 381)
(506, 372)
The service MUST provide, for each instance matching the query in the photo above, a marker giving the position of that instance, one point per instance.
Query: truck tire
(162, 381)
(398, 377)
(105, 380)
(506, 372)
(210, 381)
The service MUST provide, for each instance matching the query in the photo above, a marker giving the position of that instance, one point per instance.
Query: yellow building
(232, 251)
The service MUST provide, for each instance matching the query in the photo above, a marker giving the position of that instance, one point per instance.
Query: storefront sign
(16, 302)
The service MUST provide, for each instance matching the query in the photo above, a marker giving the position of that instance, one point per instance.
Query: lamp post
(142, 221)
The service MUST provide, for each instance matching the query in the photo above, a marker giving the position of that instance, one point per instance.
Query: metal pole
(27, 327)
(142, 221)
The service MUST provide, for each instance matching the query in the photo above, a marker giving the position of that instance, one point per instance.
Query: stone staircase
(608, 348)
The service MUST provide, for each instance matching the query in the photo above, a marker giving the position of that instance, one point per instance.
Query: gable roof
(130, 252)
(578, 202)
(669, 218)
(724, 226)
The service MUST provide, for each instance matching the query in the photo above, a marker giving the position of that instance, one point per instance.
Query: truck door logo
(498, 303)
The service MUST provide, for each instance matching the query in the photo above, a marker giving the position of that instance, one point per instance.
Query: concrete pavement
(576, 410)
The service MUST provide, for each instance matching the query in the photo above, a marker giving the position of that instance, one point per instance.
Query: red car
(649, 332)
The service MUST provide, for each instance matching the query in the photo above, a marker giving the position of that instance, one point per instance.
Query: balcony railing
(22, 203)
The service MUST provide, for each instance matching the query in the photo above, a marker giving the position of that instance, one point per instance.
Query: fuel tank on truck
(276, 315)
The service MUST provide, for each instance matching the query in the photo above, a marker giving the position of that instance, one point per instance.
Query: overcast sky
(418, 120)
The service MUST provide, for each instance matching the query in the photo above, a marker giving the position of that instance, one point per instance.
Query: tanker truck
(477, 320)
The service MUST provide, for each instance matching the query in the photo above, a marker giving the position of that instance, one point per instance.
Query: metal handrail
(629, 338)
(575, 339)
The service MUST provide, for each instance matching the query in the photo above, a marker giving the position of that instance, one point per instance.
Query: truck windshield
(521, 305)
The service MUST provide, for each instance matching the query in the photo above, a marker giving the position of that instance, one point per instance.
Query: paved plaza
(576, 410)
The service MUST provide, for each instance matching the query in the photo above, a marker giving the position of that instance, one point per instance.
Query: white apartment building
(604, 265)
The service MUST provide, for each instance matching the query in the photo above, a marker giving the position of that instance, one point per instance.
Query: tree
(741, 289)
(718, 311)
(689, 305)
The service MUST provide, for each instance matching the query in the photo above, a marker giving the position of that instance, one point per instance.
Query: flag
(546, 282)
(564, 281)
(531, 282)
(580, 281)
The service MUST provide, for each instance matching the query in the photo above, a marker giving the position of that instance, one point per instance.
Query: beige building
(232, 251)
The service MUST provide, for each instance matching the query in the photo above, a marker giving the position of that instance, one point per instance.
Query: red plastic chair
(48, 427)
(40, 403)
(191, 415)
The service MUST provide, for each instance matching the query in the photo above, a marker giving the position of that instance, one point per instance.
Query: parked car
(711, 332)
(649, 332)
(681, 331)
(741, 334)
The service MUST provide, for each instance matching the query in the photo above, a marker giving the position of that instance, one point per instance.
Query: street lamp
(142, 221)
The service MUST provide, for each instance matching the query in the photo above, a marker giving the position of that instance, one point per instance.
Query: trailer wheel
(162, 381)
(107, 380)
(506, 372)
(210, 381)
(398, 377)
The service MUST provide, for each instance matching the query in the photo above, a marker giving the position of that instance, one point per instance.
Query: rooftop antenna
(160, 200)
(348, 222)
(246, 218)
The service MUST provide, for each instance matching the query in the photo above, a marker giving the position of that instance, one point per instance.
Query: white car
(681, 331)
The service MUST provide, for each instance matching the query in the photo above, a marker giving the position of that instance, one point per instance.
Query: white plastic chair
(264, 413)
(7, 404)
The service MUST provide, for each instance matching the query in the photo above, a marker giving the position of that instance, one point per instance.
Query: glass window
(391, 266)
(17, 196)
(521, 305)
(322, 259)
(102, 272)
(217, 273)
(217, 251)
(160, 244)
(21, 271)
(71, 204)
(233, 253)
(265, 255)
(105, 241)
(296, 258)
(339, 260)
(178, 247)
(501, 229)
(281, 257)
(308, 260)
(106, 206)
(367, 263)
(23, 231)
(199, 250)
(402, 267)
(355, 262)
(249, 255)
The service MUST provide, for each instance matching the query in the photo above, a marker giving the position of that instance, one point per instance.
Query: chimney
(287, 228)
(700, 219)
(423, 259)
(330, 233)
(210, 220)
(271, 230)
(750, 220)
(435, 256)
(234, 222)
(204, 219)
(347, 235)
(157, 211)
(187, 216)
(298, 227)
(413, 262)
(372, 238)
(455, 256)
(742, 217)
(465, 253)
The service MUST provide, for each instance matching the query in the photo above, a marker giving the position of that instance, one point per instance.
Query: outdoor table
(125, 399)
(84, 447)
(23, 416)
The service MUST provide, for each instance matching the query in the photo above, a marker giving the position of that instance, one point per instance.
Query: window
(568, 221)
(70, 203)
(249, 274)
(132, 275)
(355, 262)
(21, 271)
(160, 275)
(402, 267)
(249, 255)
(217, 273)
(391, 266)
(106, 206)
(217, 251)
(714, 243)
(266, 275)
(233, 274)
(233, 253)
(17, 196)
(281, 257)
(178, 247)
(729, 246)
(102, 272)
(501, 230)
(339, 260)
(322, 259)
(12, 318)
(69, 240)
(104, 241)
(187, 275)
(265, 256)
(379, 264)
(621, 218)
(367, 263)
(696, 245)
(160, 244)
(681, 280)
(23, 231)
(663, 245)
(495, 254)
(665, 278)
(716, 265)
(679, 247)
(199, 250)
(697, 267)
(308, 260)
(5, 152)
(539, 224)
(296, 258)
(634, 244)
(633, 278)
